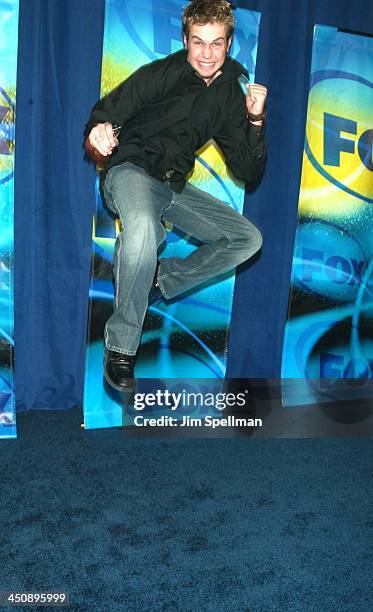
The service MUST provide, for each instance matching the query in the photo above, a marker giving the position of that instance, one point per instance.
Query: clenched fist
(101, 142)
(256, 98)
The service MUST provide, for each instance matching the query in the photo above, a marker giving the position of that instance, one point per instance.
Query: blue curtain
(59, 64)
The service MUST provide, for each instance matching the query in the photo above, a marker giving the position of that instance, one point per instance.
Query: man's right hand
(101, 142)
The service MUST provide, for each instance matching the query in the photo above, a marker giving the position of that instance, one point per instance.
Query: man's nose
(207, 51)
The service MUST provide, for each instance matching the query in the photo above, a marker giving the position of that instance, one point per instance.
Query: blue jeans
(143, 204)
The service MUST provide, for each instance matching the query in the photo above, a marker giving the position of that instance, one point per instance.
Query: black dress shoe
(118, 370)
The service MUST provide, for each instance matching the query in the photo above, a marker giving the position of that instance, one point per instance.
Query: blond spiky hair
(208, 11)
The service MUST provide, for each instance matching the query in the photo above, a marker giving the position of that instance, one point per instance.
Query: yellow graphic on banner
(337, 168)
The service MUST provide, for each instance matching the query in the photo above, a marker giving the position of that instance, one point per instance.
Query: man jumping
(146, 132)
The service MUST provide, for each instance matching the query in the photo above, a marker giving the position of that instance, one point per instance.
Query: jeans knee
(249, 242)
(143, 231)
(256, 239)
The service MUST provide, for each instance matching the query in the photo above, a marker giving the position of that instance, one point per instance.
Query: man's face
(207, 47)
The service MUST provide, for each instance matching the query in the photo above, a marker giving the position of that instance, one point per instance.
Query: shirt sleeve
(244, 145)
(126, 100)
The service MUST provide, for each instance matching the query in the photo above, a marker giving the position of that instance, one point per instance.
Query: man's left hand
(256, 99)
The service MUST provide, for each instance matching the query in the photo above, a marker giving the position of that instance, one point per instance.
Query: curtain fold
(59, 66)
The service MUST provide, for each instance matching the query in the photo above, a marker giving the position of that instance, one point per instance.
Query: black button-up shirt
(167, 113)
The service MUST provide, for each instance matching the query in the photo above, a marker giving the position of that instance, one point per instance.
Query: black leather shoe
(118, 370)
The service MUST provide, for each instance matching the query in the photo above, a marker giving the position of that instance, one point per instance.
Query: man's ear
(229, 43)
(185, 41)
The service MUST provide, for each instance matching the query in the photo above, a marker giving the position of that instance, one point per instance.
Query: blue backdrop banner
(188, 337)
(329, 333)
(8, 75)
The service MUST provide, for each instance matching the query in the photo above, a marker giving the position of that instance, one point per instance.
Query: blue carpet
(189, 525)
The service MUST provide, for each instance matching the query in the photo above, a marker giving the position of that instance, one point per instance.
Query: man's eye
(217, 44)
